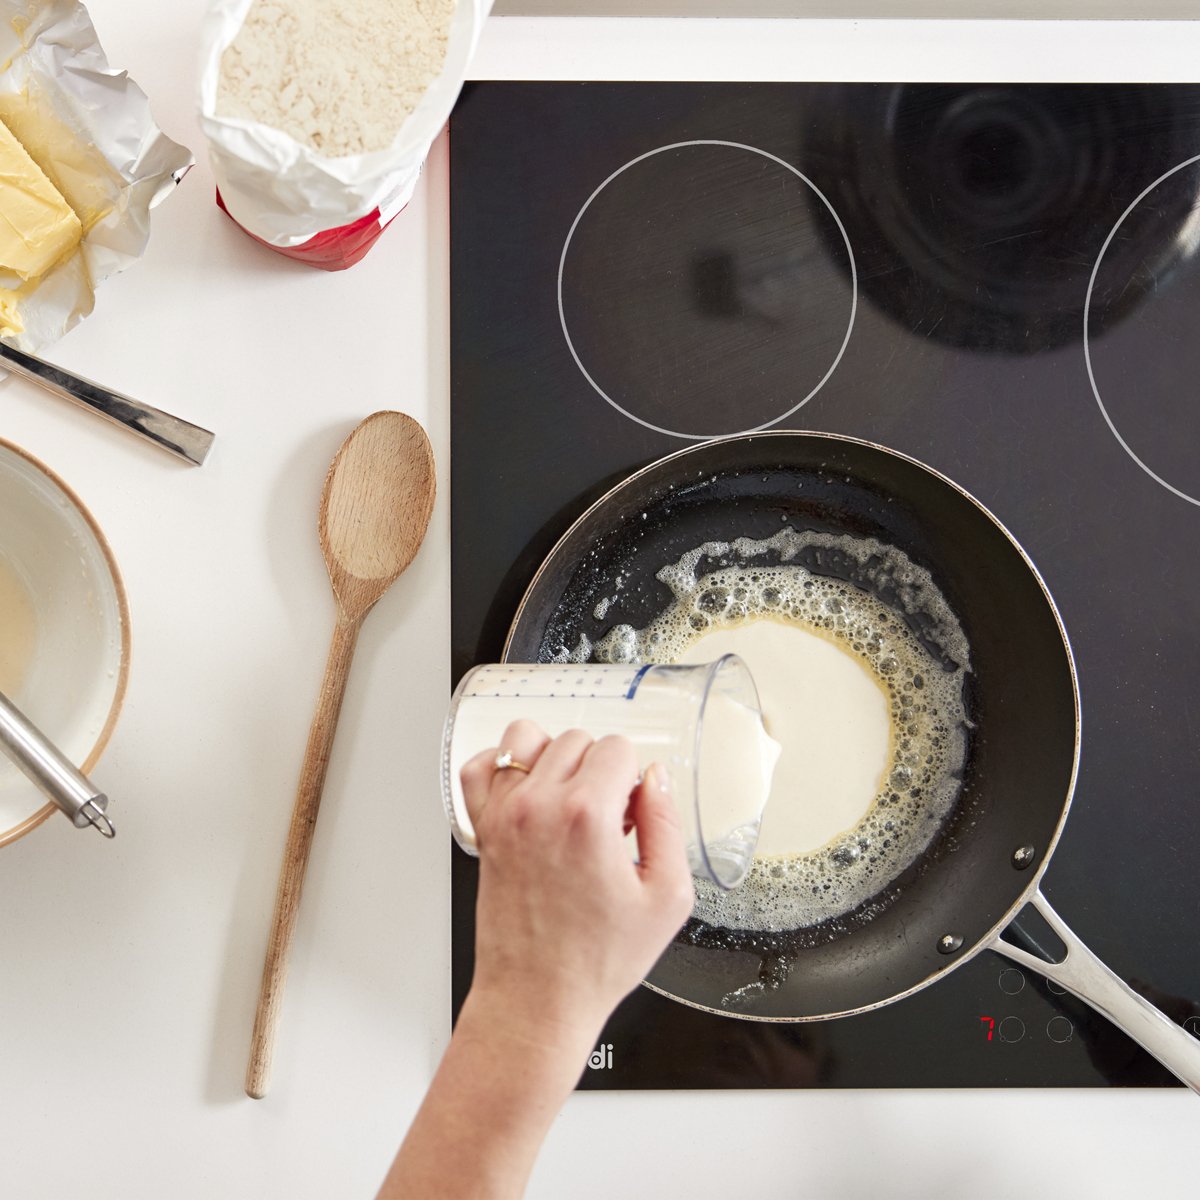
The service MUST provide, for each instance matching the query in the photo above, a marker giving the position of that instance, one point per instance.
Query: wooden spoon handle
(295, 854)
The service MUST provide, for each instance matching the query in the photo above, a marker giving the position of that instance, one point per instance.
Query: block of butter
(38, 228)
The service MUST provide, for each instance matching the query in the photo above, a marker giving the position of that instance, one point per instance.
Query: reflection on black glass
(684, 1047)
(1121, 1060)
(977, 213)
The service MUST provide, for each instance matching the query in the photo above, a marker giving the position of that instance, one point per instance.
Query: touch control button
(1192, 1025)
(1011, 1029)
(1059, 1029)
(1011, 981)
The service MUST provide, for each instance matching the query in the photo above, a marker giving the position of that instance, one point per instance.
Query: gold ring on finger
(504, 761)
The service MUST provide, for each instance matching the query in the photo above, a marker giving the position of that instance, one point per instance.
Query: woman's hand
(567, 922)
(566, 925)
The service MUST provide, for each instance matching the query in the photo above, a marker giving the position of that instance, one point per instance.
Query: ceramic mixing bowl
(64, 627)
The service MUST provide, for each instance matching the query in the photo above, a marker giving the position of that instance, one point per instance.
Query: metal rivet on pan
(949, 942)
(1023, 856)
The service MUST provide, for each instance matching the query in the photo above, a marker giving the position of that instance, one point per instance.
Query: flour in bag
(339, 76)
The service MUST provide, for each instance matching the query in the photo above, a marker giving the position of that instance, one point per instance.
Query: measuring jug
(701, 722)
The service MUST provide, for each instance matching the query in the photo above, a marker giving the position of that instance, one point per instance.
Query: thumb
(661, 852)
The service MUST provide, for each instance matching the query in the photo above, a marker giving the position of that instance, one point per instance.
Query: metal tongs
(51, 771)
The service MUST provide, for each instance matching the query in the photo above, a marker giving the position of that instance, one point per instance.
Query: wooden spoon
(375, 509)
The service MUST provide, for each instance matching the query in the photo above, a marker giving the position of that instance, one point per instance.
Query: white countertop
(128, 971)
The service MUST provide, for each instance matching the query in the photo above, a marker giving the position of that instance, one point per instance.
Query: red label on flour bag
(332, 249)
(319, 113)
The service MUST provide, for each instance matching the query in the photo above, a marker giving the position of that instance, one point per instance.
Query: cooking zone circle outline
(1087, 350)
(562, 317)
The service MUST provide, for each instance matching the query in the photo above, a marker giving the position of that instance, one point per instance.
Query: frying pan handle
(1082, 973)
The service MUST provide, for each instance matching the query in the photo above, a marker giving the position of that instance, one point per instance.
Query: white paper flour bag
(321, 180)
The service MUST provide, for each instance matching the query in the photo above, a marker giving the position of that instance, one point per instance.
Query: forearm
(498, 1088)
(566, 924)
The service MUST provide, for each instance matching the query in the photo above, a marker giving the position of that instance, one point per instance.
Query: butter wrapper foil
(89, 128)
(283, 191)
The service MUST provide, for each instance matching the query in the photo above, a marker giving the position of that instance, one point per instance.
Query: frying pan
(985, 863)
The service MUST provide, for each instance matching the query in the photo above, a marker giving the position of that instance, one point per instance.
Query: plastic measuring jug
(702, 722)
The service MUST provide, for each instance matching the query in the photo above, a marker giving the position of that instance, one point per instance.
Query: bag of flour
(319, 113)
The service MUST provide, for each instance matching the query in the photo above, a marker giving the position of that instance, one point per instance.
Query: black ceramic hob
(1002, 281)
